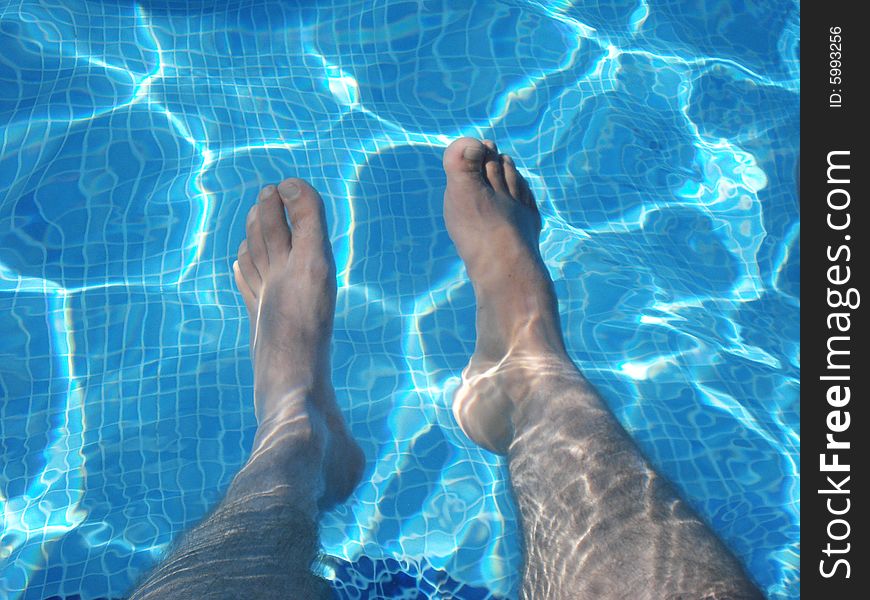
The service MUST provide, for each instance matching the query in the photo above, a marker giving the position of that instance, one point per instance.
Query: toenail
(474, 152)
(289, 190)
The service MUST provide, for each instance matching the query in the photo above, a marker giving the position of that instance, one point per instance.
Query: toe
(526, 196)
(305, 209)
(463, 161)
(248, 270)
(254, 242)
(495, 173)
(246, 291)
(273, 223)
(511, 176)
(517, 184)
(308, 224)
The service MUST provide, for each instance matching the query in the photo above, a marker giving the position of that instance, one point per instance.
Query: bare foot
(286, 275)
(493, 220)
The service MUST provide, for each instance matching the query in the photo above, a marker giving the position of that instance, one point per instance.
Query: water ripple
(660, 141)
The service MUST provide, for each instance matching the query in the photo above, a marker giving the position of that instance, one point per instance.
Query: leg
(598, 522)
(262, 539)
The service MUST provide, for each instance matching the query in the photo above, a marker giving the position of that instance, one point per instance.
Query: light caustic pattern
(661, 142)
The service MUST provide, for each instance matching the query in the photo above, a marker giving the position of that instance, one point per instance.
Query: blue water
(660, 138)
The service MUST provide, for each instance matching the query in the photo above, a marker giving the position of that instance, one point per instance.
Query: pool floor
(661, 142)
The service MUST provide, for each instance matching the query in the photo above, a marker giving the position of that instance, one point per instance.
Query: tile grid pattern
(661, 143)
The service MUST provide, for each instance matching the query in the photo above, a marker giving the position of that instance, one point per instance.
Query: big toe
(304, 208)
(273, 225)
(464, 160)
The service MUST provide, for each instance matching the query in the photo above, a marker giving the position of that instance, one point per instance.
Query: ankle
(286, 462)
(525, 373)
(283, 389)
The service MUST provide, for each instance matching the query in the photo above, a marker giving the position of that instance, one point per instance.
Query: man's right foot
(492, 218)
(286, 275)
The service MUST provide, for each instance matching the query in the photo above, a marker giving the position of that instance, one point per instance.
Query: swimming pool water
(661, 140)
